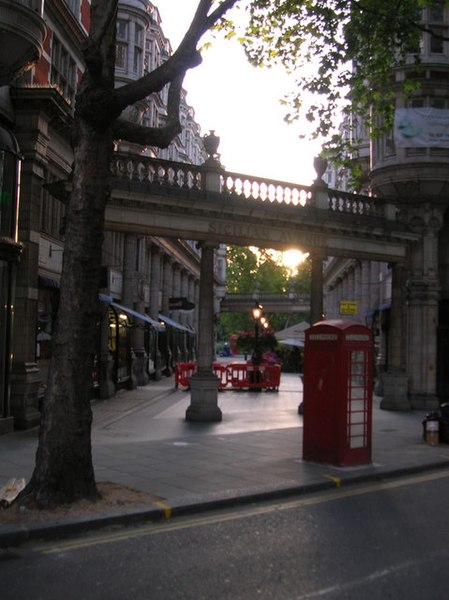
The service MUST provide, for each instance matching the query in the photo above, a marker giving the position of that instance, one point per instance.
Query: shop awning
(382, 308)
(47, 282)
(130, 311)
(8, 142)
(175, 324)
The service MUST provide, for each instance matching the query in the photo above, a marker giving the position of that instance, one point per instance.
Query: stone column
(154, 302)
(365, 291)
(140, 352)
(191, 298)
(316, 289)
(167, 279)
(176, 290)
(345, 286)
(197, 304)
(183, 316)
(176, 338)
(204, 384)
(321, 201)
(423, 303)
(25, 377)
(382, 319)
(443, 317)
(184, 294)
(194, 318)
(351, 282)
(330, 302)
(394, 381)
(129, 287)
(374, 285)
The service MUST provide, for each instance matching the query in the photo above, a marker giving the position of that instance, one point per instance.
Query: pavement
(140, 439)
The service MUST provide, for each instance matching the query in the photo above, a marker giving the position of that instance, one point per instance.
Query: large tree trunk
(64, 471)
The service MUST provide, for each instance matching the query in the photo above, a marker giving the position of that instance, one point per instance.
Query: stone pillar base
(203, 399)
(425, 402)
(6, 425)
(157, 366)
(25, 380)
(107, 387)
(140, 367)
(395, 392)
(132, 381)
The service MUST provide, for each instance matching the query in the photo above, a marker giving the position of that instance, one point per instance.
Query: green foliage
(241, 269)
(246, 342)
(248, 272)
(342, 52)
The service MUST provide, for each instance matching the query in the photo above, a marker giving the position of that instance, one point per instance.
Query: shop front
(10, 251)
(114, 368)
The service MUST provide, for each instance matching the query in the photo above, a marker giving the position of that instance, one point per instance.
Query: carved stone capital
(424, 218)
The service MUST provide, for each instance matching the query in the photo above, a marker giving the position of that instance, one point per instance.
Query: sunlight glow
(292, 258)
(289, 258)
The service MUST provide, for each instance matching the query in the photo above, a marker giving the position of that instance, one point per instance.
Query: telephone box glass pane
(357, 409)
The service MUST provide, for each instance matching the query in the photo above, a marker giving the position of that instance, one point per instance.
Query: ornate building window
(63, 70)
(138, 49)
(74, 6)
(121, 57)
(52, 214)
(435, 21)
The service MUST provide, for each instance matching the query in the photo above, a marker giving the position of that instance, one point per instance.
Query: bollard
(432, 429)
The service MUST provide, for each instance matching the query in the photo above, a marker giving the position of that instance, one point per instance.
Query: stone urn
(211, 143)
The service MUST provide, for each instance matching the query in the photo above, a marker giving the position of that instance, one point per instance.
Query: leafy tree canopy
(249, 271)
(342, 52)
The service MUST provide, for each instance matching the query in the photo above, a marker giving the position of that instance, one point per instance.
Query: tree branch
(161, 137)
(185, 57)
(154, 136)
(107, 15)
(103, 17)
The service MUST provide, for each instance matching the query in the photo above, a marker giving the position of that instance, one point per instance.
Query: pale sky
(241, 104)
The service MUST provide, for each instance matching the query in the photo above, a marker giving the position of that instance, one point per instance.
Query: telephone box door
(337, 393)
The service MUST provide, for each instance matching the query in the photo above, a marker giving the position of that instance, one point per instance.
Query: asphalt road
(381, 540)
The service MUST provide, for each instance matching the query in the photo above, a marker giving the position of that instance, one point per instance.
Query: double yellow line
(237, 513)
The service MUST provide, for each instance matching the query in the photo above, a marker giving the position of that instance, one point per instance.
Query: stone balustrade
(267, 190)
(145, 169)
(187, 176)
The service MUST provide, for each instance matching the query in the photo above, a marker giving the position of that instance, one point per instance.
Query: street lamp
(255, 378)
(257, 316)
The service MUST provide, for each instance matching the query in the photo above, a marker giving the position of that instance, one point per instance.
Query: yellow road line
(336, 480)
(165, 507)
(239, 513)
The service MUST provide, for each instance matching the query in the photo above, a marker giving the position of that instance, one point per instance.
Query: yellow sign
(348, 307)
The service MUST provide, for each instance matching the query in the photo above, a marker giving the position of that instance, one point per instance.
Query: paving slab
(140, 438)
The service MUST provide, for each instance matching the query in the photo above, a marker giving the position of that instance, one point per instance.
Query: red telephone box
(337, 393)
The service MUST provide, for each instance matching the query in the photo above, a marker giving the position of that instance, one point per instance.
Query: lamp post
(257, 316)
(256, 357)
